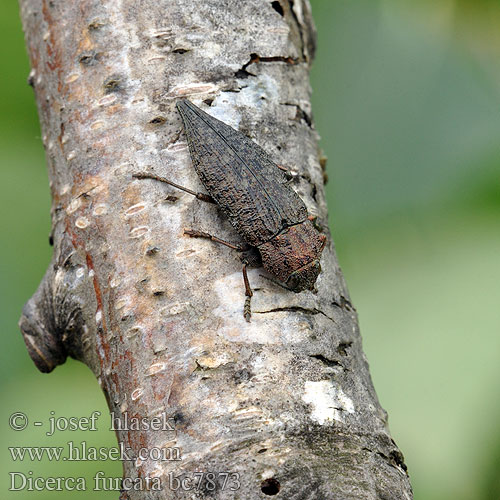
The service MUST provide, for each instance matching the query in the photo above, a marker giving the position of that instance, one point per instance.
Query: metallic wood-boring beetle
(253, 192)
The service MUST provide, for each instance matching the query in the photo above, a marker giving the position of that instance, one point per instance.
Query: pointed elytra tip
(183, 103)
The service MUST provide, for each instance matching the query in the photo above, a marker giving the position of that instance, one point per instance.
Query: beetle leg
(200, 196)
(201, 234)
(247, 311)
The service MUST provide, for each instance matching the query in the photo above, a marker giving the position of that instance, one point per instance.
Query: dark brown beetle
(253, 192)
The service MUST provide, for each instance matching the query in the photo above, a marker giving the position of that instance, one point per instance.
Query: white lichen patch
(267, 473)
(193, 89)
(138, 232)
(175, 308)
(115, 282)
(134, 209)
(209, 362)
(225, 109)
(100, 209)
(264, 85)
(156, 368)
(74, 206)
(134, 331)
(186, 357)
(137, 394)
(176, 147)
(328, 402)
(231, 299)
(107, 100)
(281, 31)
(72, 77)
(163, 33)
(82, 222)
(185, 253)
(121, 303)
(246, 413)
(59, 276)
(156, 59)
(219, 445)
(97, 125)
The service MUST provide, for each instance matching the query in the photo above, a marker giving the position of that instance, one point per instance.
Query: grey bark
(285, 401)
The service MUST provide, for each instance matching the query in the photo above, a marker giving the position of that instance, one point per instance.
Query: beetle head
(293, 256)
(305, 277)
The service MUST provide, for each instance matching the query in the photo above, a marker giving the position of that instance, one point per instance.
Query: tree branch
(285, 401)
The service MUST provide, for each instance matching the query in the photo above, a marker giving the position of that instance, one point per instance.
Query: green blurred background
(407, 101)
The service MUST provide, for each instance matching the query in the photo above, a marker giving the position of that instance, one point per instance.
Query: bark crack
(326, 361)
(394, 459)
(343, 303)
(297, 309)
(242, 73)
(300, 114)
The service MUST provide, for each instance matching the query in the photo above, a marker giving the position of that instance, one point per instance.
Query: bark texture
(285, 401)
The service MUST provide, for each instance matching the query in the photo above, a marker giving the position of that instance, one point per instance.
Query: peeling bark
(285, 401)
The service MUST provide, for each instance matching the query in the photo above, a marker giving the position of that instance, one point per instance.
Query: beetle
(254, 194)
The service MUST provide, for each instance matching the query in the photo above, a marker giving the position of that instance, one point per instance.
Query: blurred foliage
(406, 99)
(407, 104)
